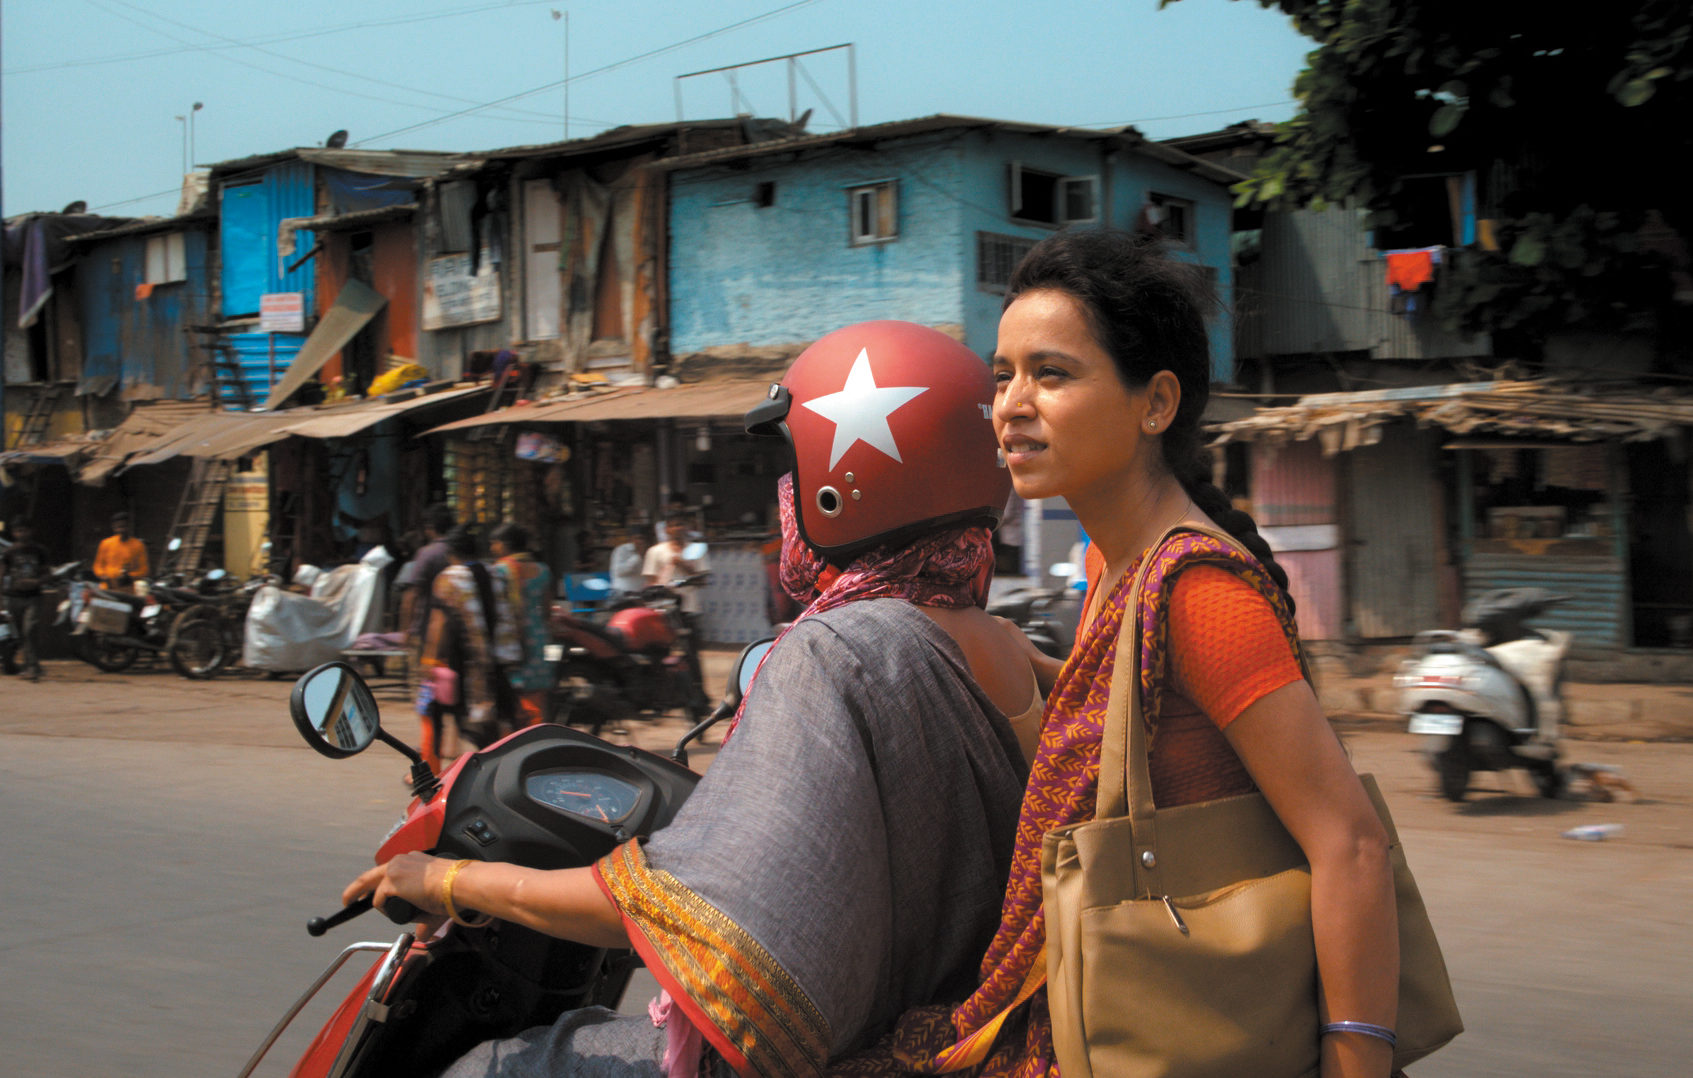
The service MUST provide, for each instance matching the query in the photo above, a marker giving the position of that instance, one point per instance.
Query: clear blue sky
(93, 88)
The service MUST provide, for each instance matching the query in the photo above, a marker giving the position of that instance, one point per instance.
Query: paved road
(165, 842)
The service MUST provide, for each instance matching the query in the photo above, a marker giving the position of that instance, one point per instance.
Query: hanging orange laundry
(1410, 270)
(143, 290)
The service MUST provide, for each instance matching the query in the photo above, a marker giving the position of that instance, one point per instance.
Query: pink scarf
(948, 567)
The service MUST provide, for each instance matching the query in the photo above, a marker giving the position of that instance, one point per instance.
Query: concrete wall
(742, 274)
(763, 276)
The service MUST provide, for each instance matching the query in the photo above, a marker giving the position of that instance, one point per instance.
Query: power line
(547, 118)
(1191, 115)
(556, 84)
(275, 39)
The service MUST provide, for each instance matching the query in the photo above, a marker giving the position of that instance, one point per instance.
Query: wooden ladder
(508, 388)
(33, 429)
(195, 514)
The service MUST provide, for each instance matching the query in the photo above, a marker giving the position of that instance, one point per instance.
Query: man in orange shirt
(121, 558)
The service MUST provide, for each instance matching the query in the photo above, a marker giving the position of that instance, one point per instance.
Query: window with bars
(996, 256)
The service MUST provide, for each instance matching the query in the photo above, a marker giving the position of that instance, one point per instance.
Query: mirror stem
(680, 752)
(424, 784)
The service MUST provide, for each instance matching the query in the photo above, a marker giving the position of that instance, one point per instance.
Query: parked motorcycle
(644, 660)
(1049, 617)
(1489, 697)
(546, 797)
(9, 642)
(208, 636)
(111, 629)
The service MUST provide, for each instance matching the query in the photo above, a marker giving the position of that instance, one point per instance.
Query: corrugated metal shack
(1443, 492)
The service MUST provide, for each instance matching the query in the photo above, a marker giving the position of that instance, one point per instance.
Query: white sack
(290, 631)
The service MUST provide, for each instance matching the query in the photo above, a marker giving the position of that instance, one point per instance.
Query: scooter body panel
(1444, 682)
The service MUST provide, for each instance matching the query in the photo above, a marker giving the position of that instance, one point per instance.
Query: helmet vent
(829, 501)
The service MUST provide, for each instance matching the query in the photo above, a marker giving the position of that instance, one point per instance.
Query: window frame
(856, 193)
(1062, 185)
(1189, 209)
(165, 254)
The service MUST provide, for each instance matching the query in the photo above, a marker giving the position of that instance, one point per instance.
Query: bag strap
(1123, 768)
(1125, 777)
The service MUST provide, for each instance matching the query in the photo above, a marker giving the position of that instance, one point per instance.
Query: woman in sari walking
(523, 585)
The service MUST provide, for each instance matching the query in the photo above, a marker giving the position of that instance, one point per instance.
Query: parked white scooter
(1490, 696)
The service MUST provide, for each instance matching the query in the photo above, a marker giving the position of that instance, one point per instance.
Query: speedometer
(593, 795)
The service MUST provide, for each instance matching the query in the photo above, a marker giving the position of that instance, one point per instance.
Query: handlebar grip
(401, 912)
(317, 926)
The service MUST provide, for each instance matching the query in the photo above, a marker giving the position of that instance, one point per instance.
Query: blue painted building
(774, 244)
(140, 289)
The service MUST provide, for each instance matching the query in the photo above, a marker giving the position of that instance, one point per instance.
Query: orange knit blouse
(1227, 651)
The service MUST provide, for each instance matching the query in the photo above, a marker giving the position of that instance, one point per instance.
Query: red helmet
(892, 431)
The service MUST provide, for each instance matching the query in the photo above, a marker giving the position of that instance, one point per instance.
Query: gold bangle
(447, 897)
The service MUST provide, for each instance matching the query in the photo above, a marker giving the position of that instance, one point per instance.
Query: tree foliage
(1574, 119)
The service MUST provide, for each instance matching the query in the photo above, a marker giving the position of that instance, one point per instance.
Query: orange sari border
(743, 1002)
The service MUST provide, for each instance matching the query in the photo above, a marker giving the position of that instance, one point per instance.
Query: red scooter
(546, 797)
(644, 660)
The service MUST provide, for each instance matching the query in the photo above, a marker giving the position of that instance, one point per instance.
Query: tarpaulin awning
(223, 435)
(695, 400)
(350, 419)
(140, 431)
(228, 435)
(1506, 409)
(66, 451)
(356, 305)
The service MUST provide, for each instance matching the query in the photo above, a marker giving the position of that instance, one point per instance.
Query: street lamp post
(197, 107)
(565, 15)
(183, 120)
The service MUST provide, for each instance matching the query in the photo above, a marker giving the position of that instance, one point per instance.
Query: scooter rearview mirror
(740, 679)
(694, 551)
(334, 710)
(747, 666)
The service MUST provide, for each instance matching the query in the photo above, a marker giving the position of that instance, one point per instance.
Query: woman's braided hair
(1147, 310)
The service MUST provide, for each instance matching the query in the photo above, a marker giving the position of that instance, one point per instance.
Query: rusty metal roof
(720, 399)
(1128, 136)
(1550, 409)
(227, 435)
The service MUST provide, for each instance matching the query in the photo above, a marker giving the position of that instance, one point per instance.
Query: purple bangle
(1366, 1028)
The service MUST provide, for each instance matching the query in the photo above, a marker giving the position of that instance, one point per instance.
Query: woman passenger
(1102, 371)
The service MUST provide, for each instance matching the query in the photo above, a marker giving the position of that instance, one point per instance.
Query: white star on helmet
(860, 411)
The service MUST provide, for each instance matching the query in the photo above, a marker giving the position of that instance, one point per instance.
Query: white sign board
(453, 297)
(282, 312)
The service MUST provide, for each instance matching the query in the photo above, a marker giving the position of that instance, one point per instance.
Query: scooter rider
(121, 558)
(843, 859)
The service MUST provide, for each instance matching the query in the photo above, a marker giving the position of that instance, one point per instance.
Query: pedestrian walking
(24, 566)
(457, 656)
(522, 585)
